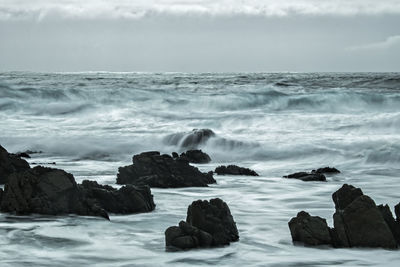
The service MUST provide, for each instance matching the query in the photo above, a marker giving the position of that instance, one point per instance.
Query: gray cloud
(391, 41)
(42, 9)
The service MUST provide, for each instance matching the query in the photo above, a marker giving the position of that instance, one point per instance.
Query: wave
(202, 93)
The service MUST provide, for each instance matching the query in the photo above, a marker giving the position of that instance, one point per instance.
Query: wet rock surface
(311, 230)
(155, 170)
(195, 156)
(234, 170)
(10, 163)
(54, 192)
(358, 222)
(327, 170)
(208, 224)
(126, 200)
(314, 175)
(307, 176)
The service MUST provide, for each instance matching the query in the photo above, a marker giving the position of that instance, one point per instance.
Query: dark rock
(311, 230)
(45, 191)
(306, 176)
(155, 170)
(23, 155)
(390, 221)
(361, 224)
(10, 163)
(54, 192)
(175, 155)
(195, 156)
(190, 140)
(328, 170)
(345, 195)
(186, 236)
(208, 224)
(127, 199)
(358, 222)
(213, 217)
(234, 170)
(397, 212)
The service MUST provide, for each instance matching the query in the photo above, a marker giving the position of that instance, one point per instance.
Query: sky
(200, 35)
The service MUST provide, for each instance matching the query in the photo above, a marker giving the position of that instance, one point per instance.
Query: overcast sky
(200, 35)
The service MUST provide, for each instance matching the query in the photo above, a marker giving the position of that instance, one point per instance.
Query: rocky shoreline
(358, 221)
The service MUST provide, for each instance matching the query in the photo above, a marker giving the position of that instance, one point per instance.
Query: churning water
(276, 123)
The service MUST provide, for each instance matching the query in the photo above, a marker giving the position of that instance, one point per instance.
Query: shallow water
(92, 123)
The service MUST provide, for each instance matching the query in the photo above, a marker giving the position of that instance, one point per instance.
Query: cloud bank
(390, 42)
(128, 9)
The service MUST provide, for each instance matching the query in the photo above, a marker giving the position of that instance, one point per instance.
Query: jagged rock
(234, 170)
(311, 230)
(54, 192)
(127, 199)
(363, 225)
(190, 140)
(195, 156)
(208, 224)
(345, 195)
(23, 155)
(397, 212)
(213, 217)
(358, 222)
(155, 170)
(10, 163)
(326, 170)
(306, 176)
(186, 236)
(390, 221)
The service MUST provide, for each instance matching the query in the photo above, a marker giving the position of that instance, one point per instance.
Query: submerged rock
(358, 222)
(190, 140)
(54, 192)
(208, 223)
(314, 175)
(311, 230)
(234, 170)
(10, 163)
(306, 176)
(195, 156)
(328, 170)
(155, 170)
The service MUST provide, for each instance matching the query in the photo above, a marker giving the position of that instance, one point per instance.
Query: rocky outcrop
(155, 170)
(314, 175)
(361, 224)
(311, 230)
(54, 192)
(345, 195)
(307, 176)
(189, 140)
(234, 170)
(195, 156)
(186, 236)
(126, 200)
(10, 163)
(326, 170)
(358, 222)
(208, 223)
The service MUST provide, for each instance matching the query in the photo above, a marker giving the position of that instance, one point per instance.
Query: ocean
(91, 123)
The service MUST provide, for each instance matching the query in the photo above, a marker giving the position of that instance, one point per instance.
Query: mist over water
(275, 123)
